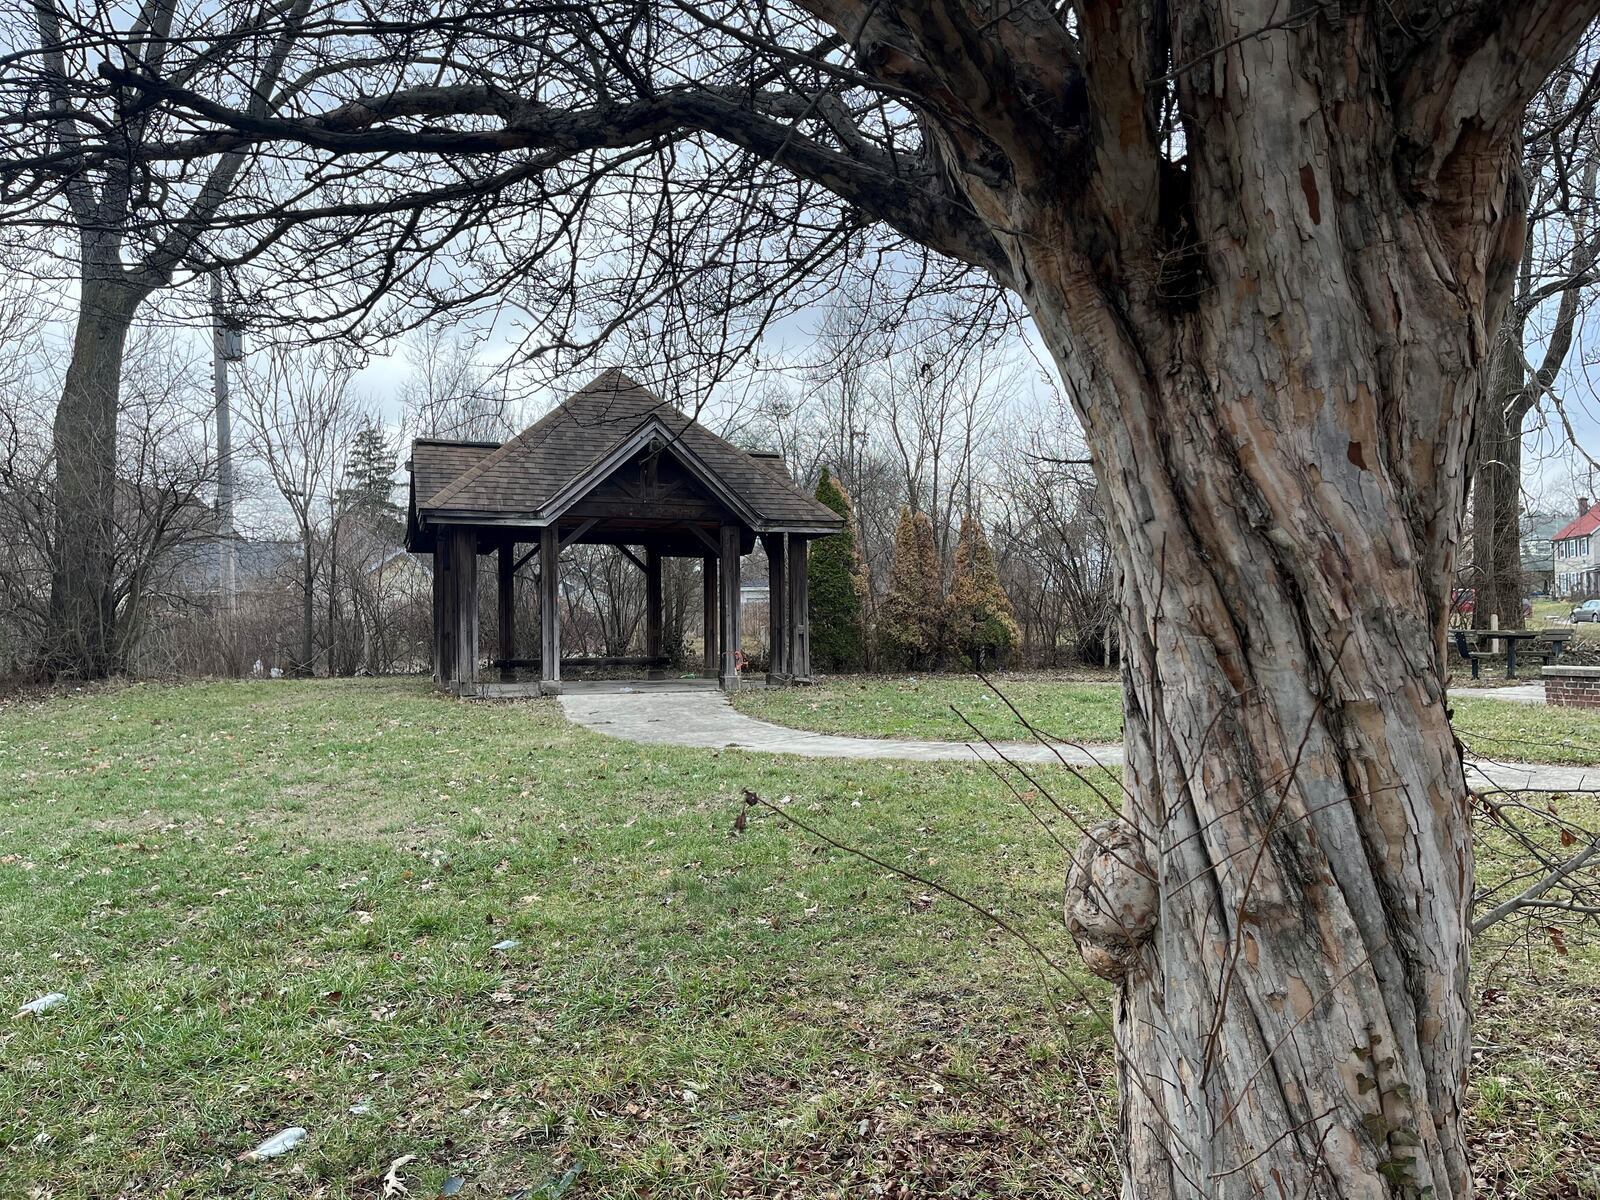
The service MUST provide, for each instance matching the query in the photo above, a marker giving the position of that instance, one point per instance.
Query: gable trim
(598, 471)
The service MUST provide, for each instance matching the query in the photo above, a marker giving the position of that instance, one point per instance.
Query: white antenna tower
(227, 345)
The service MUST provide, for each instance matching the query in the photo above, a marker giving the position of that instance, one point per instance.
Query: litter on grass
(43, 1003)
(278, 1143)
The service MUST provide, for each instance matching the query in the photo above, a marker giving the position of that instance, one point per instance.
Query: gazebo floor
(593, 687)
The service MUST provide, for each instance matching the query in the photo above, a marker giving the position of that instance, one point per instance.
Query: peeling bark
(1497, 488)
(1276, 347)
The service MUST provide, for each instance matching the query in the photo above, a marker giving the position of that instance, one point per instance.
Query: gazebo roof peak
(539, 473)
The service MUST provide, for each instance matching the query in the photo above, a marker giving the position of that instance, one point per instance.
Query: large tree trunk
(82, 639)
(1281, 415)
(1292, 1012)
(1497, 489)
(1273, 314)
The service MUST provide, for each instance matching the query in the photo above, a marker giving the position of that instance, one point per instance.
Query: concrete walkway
(1522, 693)
(667, 716)
(689, 713)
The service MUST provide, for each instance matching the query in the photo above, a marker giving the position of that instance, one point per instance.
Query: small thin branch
(1528, 898)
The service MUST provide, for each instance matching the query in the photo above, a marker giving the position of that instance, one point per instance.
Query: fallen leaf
(393, 1185)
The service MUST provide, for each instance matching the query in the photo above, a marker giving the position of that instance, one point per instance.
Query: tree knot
(1112, 899)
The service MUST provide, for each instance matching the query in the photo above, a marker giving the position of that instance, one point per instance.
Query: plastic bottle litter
(508, 944)
(43, 1004)
(278, 1143)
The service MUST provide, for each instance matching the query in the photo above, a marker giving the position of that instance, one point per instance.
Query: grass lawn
(1511, 732)
(924, 707)
(271, 903)
(927, 707)
(275, 904)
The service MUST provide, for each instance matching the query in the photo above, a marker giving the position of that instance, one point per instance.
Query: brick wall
(1572, 687)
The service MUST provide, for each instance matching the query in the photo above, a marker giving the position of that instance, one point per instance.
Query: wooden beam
(441, 590)
(577, 532)
(728, 673)
(615, 660)
(708, 589)
(506, 604)
(799, 611)
(646, 510)
(652, 602)
(710, 542)
(633, 558)
(549, 610)
(533, 552)
(464, 564)
(777, 547)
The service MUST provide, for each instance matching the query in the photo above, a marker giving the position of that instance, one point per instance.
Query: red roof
(1580, 526)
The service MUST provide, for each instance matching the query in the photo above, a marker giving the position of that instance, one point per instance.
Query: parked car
(1589, 610)
(1463, 601)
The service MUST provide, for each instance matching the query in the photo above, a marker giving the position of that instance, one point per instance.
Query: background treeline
(974, 538)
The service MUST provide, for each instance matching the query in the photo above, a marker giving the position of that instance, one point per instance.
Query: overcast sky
(1555, 473)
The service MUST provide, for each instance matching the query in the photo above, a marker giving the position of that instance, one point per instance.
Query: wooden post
(777, 548)
(464, 568)
(549, 611)
(708, 589)
(506, 610)
(728, 674)
(441, 593)
(799, 611)
(652, 602)
(450, 610)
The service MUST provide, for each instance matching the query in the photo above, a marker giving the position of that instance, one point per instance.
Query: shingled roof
(435, 464)
(556, 460)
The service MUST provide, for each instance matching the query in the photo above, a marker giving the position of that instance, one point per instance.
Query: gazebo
(613, 465)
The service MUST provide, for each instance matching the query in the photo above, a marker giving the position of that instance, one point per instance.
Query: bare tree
(122, 256)
(902, 404)
(937, 407)
(1555, 286)
(605, 602)
(449, 394)
(1051, 542)
(302, 416)
(1266, 245)
(166, 530)
(162, 522)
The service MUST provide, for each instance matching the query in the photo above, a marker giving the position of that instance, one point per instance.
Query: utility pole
(227, 346)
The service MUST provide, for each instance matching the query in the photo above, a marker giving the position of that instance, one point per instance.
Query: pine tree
(978, 616)
(911, 617)
(835, 578)
(369, 473)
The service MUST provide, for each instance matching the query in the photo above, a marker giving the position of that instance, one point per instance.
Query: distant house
(258, 562)
(1538, 549)
(1576, 552)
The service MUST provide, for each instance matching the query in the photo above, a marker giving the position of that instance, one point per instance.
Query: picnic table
(1548, 645)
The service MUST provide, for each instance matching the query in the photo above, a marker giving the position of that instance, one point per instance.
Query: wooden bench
(1547, 648)
(1520, 645)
